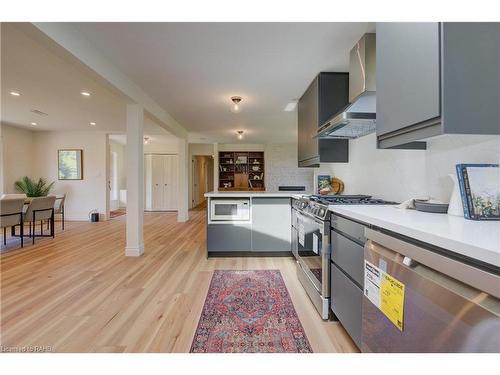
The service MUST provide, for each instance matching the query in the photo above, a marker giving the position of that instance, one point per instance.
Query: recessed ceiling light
(93, 123)
(85, 93)
(15, 93)
(290, 106)
(34, 124)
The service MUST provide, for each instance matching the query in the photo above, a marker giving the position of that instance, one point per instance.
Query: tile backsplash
(402, 174)
(282, 169)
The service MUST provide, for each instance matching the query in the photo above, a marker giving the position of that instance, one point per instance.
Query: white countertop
(475, 239)
(248, 194)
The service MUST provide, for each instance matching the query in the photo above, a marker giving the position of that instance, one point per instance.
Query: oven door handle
(311, 218)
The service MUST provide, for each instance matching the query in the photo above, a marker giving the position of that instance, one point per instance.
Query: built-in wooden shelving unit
(241, 171)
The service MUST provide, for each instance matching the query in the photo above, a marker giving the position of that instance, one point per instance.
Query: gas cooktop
(317, 205)
(347, 199)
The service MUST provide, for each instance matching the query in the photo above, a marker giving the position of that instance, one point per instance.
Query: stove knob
(321, 212)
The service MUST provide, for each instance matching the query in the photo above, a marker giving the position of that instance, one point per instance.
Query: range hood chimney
(359, 117)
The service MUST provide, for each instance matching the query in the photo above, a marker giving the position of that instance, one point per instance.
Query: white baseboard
(134, 251)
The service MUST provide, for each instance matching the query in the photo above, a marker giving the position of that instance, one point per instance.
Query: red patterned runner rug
(249, 312)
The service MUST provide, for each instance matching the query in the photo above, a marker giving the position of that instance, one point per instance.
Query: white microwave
(230, 209)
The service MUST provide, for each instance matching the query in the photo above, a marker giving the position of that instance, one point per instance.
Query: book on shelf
(480, 190)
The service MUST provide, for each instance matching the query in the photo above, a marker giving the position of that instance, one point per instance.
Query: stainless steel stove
(311, 242)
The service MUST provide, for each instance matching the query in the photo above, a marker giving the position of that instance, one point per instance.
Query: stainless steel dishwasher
(438, 313)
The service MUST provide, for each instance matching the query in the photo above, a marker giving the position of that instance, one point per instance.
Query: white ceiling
(192, 69)
(50, 83)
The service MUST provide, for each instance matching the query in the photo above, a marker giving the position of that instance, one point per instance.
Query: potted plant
(33, 189)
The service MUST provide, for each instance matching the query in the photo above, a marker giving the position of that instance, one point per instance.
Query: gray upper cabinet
(436, 78)
(326, 95)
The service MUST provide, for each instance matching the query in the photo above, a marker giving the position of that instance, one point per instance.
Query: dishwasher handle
(409, 262)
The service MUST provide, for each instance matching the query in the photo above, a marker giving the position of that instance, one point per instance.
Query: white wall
(2, 187)
(82, 195)
(17, 156)
(402, 174)
(281, 168)
(162, 147)
(241, 147)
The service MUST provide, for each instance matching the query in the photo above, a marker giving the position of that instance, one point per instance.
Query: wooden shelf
(239, 177)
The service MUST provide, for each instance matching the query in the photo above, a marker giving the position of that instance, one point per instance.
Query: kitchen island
(249, 223)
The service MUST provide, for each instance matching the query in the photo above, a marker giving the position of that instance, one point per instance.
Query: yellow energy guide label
(385, 292)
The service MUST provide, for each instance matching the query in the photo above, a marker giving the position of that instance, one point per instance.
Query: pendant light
(240, 134)
(235, 108)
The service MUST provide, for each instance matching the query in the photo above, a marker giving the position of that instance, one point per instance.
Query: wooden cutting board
(337, 186)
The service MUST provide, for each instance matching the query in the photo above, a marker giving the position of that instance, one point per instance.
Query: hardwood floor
(79, 293)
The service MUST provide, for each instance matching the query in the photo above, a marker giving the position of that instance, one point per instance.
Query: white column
(182, 213)
(135, 180)
(216, 166)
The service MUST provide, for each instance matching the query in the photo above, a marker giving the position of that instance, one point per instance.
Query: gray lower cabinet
(271, 224)
(229, 237)
(436, 78)
(346, 301)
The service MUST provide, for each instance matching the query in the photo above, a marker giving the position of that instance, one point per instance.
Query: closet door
(148, 205)
(171, 181)
(157, 182)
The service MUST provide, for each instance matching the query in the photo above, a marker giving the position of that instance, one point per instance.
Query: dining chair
(11, 214)
(14, 196)
(40, 209)
(59, 207)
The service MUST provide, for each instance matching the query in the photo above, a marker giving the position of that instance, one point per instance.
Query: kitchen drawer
(351, 228)
(349, 256)
(346, 302)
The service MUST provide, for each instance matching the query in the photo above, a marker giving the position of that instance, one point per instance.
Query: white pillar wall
(135, 180)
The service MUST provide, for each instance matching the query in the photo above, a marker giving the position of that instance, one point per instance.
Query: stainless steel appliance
(232, 209)
(311, 243)
(359, 117)
(441, 314)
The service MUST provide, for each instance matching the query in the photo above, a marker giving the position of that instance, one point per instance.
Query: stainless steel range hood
(359, 117)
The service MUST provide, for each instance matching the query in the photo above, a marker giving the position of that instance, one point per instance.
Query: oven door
(313, 250)
(229, 210)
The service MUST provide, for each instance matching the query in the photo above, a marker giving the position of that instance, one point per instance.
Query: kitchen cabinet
(231, 237)
(271, 223)
(268, 232)
(326, 95)
(434, 79)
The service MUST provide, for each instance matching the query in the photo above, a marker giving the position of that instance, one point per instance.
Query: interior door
(196, 182)
(148, 205)
(170, 182)
(157, 181)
